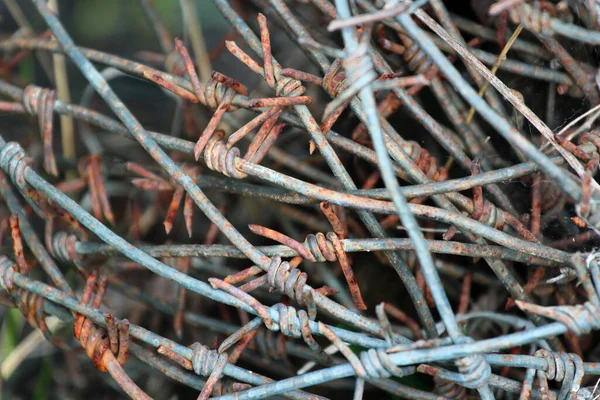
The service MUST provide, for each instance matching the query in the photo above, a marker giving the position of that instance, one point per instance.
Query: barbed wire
(293, 288)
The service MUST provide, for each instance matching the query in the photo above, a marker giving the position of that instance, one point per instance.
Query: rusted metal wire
(312, 285)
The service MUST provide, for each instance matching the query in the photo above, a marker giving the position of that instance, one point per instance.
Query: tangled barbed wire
(486, 212)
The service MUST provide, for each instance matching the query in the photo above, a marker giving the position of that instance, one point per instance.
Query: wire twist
(334, 81)
(295, 323)
(32, 307)
(322, 246)
(14, 161)
(7, 269)
(448, 389)
(580, 319)
(369, 364)
(30, 304)
(561, 367)
(473, 371)
(64, 249)
(533, 18)
(359, 67)
(205, 360)
(292, 282)
(288, 87)
(329, 247)
(216, 90)
(270, 345)
(378, 365)
(492, 216)
(425, 161)
(218, 157)
(415, 58)
(39, 101)
(100, 344)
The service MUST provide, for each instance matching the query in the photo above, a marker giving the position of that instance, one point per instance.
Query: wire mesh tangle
(377, 211)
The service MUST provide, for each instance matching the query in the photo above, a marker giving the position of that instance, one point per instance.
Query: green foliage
(42, 386)
(27, 69)
(13, 322)
(96, 19)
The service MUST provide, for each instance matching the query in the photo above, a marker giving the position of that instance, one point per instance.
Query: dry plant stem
(495, 67)
(62, 88)
(192, 22)
(442, 13)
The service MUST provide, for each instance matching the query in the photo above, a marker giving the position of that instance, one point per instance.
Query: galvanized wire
(462, 357)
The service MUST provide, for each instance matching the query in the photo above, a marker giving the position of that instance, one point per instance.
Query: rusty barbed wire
(246, 150)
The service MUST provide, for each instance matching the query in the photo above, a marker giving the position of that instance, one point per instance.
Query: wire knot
(220, 91)
(101, 345)
(416, 59)
(533, 18)
(448, 389)
(30, 304)
(329, 247)
(492, 216)
(7, 270)
(370, 364)
(295, 323)
(322, 247)
(359, 67)
(334, 81)
(207, 362)
(64, 250)
(426, 163)
(35, 97)
(474, 371)
(218, 157)
(216, 91)
(561, 367)
(377, 365)
(292, 282)
(14, 161)
(580, 319)
(204, 359)
(40, 101)
(288, 87)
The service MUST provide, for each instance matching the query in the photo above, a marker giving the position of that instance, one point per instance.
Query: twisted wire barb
(351, 80)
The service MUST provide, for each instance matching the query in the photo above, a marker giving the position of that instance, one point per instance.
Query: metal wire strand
(206, 362)
(560, 367)
(40, 102)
